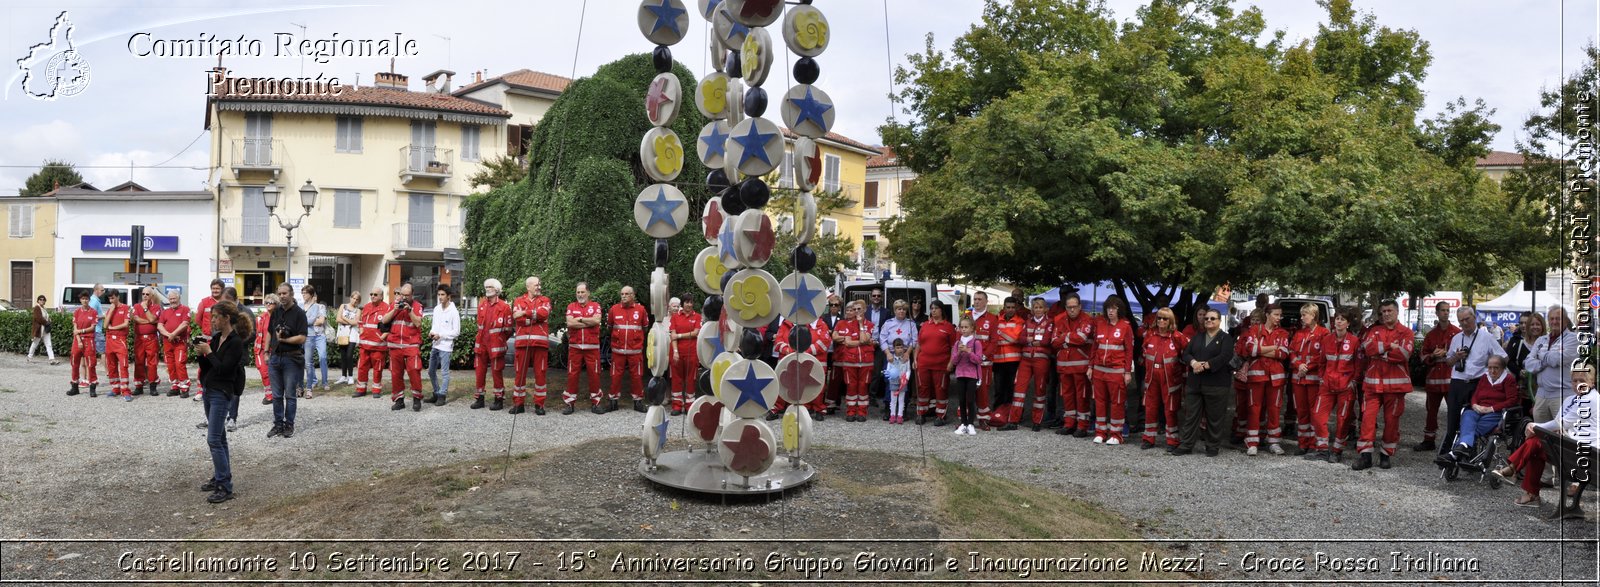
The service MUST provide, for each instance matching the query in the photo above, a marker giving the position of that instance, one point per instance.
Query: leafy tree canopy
(51, 175)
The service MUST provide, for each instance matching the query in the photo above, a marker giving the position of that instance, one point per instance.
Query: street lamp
(308, 200)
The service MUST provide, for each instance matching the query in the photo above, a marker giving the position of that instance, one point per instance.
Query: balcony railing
(415, 236)
(245, 232)
(423, 162)
(257, 154)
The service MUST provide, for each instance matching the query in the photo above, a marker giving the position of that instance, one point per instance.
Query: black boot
(438, 399)
(1362, 462)
(516, 409)
(172, 391)
(73, 390)
(138, 389)
(1425, 445)
(477, 403)
(399, 404)
(611, 406)
(91, 390)
(538, 410)
(773, 415)
(1383, 460)
(499, 404)
(940, 422)
(155, 389)
(599, 408)
(638, 405)
(416, 404)
(567, 411)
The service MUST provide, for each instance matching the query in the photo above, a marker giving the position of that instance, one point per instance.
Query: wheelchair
(1488, 453)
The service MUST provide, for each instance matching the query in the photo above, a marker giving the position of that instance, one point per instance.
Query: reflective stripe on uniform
(586, 347)
(626, 327)
(1387, 381)
(1083, 363)
(1110, 370)
(626, 351)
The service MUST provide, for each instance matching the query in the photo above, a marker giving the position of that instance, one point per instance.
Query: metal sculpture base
(701, 471)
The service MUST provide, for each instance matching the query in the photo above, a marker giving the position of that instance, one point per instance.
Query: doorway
(254, 287)
(22, 284)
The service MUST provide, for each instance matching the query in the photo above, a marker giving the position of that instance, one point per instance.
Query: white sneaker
(972, 430)
(1098, 439)
(1275, 449)
(1113, 441)
(1250, 451)
(960, 430)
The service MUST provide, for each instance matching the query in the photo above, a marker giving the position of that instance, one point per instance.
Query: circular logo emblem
(68, 73)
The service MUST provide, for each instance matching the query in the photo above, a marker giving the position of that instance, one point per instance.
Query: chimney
(391, 80)
(432, 80)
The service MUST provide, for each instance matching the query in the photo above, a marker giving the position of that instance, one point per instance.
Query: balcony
(257, 155)
(419, 163)
(413, 239)
(251, 232)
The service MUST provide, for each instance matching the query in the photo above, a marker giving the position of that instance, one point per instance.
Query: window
(253, 218)
(469, 142)
(786, 170)
(20, 221)
(347, 134)
(871, 199)
(905, 184)
(830, 227)
(346, 209)
(830, 173)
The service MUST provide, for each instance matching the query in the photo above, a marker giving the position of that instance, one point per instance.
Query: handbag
(343, 339)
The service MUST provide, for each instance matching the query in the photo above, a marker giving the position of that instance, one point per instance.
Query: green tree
(499, 171)
(52, 175)
(1557, 180)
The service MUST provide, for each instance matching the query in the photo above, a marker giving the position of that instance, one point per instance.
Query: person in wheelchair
(1570, 439)
(1496, 392)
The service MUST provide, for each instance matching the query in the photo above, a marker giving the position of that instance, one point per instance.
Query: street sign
(133, 278)
(453, 255)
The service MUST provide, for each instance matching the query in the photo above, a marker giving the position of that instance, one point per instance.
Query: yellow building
(29, 250)
(887, 179)
(1498, 163)
(390, 167)
(844, 169)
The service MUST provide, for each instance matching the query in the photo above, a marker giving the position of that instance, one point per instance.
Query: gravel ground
(96, 468)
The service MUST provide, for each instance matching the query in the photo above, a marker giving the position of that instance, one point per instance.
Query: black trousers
(1005, 383)
(964, 393)
(1457, 398)
(1216, 405)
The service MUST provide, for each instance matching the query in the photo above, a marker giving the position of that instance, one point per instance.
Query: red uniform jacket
(1260, 368)
(934, 341)
(583, 339)
(1038, 336)
(1388, 351)
(857, 356)
(1007, 339)
(371, 314)
(175, 320)
(494, 327)
(148, 312)
(1113, 350)
(405, 330)
(204, 310)
(85, 317)
(819, 339)
(1074, 339)
(117, 340)
(1438, 372)
(533, 329)
(1161, 352)
(688, 322)
(1341, 361)
(628, 327)
(262, 336)
(1306, 349)
(983, 327)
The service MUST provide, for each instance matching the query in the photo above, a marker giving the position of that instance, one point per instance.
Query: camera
(1462, 364)
(199, 339)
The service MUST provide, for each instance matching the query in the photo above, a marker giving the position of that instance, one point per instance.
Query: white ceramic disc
(660, 210)
(661, 153)
(804, 297)
(754, 13)
(800, 378)
(726, 30)
(711, 219)
(708, 270)
(711, 96)
(746, 447)
(805, 30)
(664, 22)
(755, 57)
(708, 344)
(653, 435)
(749, 388)
(662, 99)
(808, 111)
(755, 147)
(659, 295)
(753, 299)
(755, 238)
(712, 144)
(661, 338)
(807, 164)
(806, 228)
(797, 427)
(704, 419)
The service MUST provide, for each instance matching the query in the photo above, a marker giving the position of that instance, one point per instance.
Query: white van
(130, 293)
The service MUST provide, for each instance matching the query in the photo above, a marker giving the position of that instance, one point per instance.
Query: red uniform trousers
(403, 361)
(370, 361)
(1335, 402)
(683, 369)
(935, 384)
(1530, 459)
(484, 362)
(587, 362)
(626, 368)
(1430, 425)
(1077, 400)
(1264, 401)
(117, 370)
(985, 378)
(1305, 394)
(83, 354)
(261, 367)
(1110, 404)
(1161, 396)
(855, 389)
(1031, 378)
(537, 358)
(146, 353)
(1388, 405)
(176, 354)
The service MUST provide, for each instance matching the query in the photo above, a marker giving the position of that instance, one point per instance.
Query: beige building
(1499, 163)
(29, 251)
(390, 166)
(886, 179)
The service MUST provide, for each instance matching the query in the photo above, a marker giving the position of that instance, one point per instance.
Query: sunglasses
(1211, 318)
(1161, 319)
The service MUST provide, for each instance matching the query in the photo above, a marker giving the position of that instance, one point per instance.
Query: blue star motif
(716, 142)
(661, 209)
(737, 30)
(803, 297)
(711, 8)
(666, 16)
(750, 389)
(755, 144)
(726, 239)
(810, 109)
(716, 343)
(661, 434)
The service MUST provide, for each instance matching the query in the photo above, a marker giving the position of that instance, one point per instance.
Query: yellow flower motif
(714, 271)
(669, 154)
(750, 56)
(810, 30)
(714, 93)
(750, 298)
(719, 370)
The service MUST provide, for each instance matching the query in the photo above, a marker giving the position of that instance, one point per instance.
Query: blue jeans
(285, 373)
(217, 401)
(439, 361)
(320, 344)
(1474, 425)
(99, 342)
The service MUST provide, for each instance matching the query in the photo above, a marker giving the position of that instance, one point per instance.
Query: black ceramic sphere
(662, 58)
(755, 102)
(806, 70)
(655, 392)
(661, 252)
(800, 338)
(712, 308)
(717, 180)
(732, 205)
(702, 383)
(750, 344)
(754, 193)
(732, 66)
(805, 259)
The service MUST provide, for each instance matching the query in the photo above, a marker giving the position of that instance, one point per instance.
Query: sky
(137, 112)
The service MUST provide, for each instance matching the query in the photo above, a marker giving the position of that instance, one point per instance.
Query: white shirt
(446, 324)
(1578, 419)
(1483, 344)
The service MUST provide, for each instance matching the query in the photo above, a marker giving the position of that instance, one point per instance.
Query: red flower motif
(657, 98)
(749, 451)
(706, 420)
(761, 8)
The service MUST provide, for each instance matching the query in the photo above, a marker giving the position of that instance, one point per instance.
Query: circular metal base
(701, 471)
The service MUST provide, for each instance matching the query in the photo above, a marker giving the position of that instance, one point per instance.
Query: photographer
(286, 361)
(405, 336)
(1468, 360)
(221, 380)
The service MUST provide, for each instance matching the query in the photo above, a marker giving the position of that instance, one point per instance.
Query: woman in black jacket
(222, 379)
(1209, 358)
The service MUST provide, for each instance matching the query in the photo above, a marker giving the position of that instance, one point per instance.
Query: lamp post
(308, 200)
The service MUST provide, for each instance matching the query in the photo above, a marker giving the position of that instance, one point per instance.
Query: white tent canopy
(1519, 299)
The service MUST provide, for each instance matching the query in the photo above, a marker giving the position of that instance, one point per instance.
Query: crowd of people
(1040, 367)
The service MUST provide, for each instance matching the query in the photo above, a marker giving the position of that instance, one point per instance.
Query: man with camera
(1468, 357)
(286, 362)
(405, 335)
